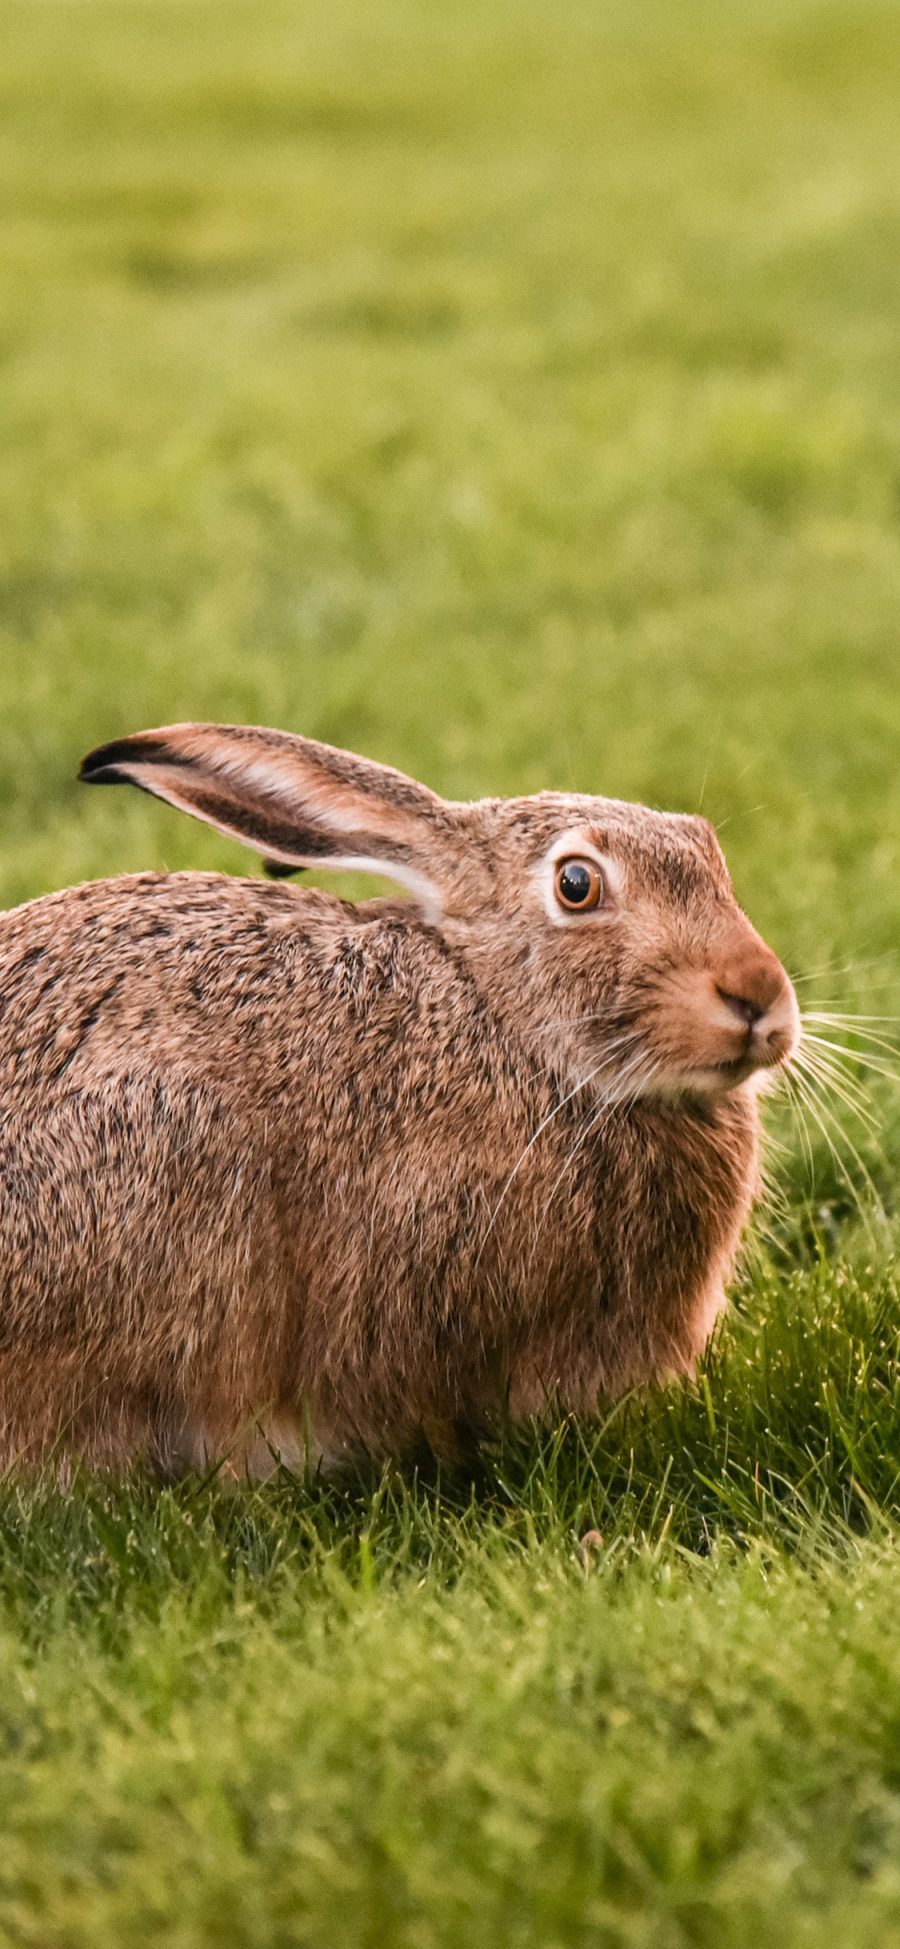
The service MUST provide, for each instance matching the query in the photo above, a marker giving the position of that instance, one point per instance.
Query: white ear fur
(426, 895)
(298, 802)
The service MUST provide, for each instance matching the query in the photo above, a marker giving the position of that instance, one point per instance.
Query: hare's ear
(299, 802)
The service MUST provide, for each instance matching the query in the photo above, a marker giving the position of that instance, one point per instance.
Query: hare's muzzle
(753, 1015)
(729, 1019)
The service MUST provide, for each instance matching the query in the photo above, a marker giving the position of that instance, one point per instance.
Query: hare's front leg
(250, 1451)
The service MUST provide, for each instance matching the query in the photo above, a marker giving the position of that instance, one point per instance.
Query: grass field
(511, 392)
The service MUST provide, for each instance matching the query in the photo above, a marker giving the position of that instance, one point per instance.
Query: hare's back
(163, 1037)
(181, 974)
(179, 1058)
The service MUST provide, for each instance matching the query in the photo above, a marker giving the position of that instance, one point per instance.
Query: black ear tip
(98, 768)
(280, 869)
(106, 765)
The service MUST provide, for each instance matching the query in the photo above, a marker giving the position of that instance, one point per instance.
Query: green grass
(510, 392)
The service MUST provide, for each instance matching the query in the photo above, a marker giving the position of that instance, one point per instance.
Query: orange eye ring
(578, 885)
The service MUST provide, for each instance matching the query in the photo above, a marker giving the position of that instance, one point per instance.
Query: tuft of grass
(511, 394)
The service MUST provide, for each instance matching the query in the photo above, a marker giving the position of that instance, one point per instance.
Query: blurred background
(509, 391)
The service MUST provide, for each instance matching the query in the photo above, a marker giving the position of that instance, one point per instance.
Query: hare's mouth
(707, 1080)
(734, 1069)
(720, 1036)
(729, 1075)
(719, 1077)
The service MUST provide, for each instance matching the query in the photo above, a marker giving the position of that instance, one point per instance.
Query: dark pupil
(575, 885)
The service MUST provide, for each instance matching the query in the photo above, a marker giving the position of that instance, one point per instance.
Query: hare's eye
(579, 885)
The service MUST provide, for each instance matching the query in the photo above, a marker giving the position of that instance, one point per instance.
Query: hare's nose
(751, 988)
(740, 1005)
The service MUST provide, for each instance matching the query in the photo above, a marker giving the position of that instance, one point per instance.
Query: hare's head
(651, 970)
(608, 933)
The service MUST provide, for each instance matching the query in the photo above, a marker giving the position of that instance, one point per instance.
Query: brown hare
(281, 1175)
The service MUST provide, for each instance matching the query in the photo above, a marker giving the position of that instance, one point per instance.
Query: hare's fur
(280, 1174)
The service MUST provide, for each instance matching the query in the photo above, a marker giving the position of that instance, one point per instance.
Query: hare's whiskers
(611, 1048)
(803, 1104)
(845, 1018)
(542, 1126)
(827, 1121)
(870, 1039)
(831, 1076)
(819, 1044)
(625, 1101)
(847, 967)
(805, 1139)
